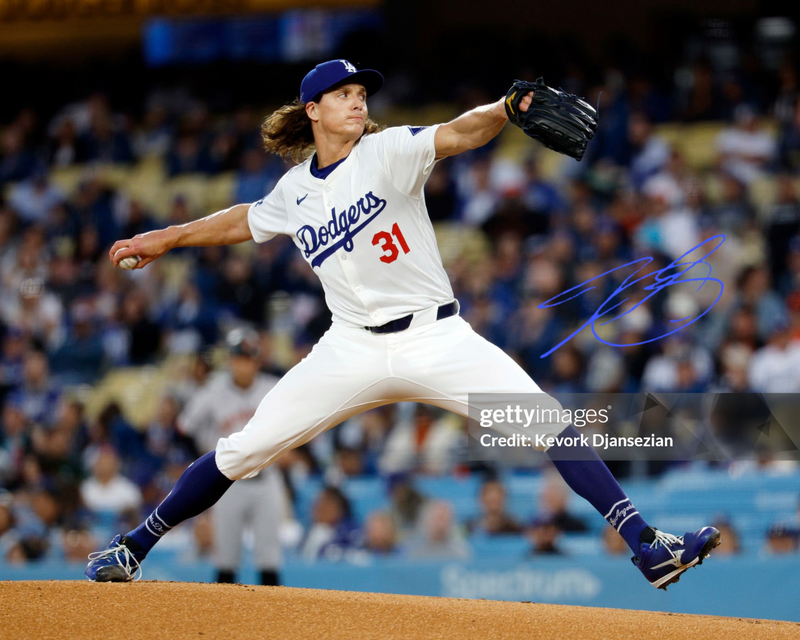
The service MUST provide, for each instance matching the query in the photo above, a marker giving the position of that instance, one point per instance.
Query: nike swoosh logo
(508, 102)
(676, 561)
(299, 200)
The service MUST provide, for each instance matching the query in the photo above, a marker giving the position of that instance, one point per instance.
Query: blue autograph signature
(663, 279)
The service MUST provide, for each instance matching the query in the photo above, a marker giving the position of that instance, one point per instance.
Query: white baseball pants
(351, 370)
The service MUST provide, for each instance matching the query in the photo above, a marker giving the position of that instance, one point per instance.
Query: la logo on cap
(349, 67)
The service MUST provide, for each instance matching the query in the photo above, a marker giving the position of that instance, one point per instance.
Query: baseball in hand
(128, 263)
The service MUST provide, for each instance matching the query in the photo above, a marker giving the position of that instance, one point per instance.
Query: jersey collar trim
(322, 174)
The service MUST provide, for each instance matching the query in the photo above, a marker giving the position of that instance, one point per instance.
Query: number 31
(388, 246)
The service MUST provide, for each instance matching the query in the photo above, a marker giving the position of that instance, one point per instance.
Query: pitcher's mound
(165, 610)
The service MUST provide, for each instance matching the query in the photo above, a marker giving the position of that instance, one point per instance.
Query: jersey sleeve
(267, 217)
(407, 156)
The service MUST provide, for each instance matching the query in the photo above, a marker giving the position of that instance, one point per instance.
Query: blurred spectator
(27, 549)
(79, 359)
(256, 177)
(406, 503)
(35, 312)
(143, 336)
(63, 150)
(789, 143)
(13, 445)
(14, 345)
(438, 537)
(162, 435)
(238, 290)
(35, 198)
(782, 539)
(16, 160)
(137, 220)
(154, 137)
(754, 291)
(104, 142)
(349, 462)
(6, 517)
(683, 366)
(333, 531)
(194, 376)
(746, 150)
(649, 152)
(733, 213)
(553, 506)
(36, 396)
(479, 201)
(77, 544)
(670, 227)
(380, 536)
(440, 194)
(543, 534)
(784, 227)
(697, 96)
(568, 371)
(427, 442)
(734, 361)
(190, 321)
(35, 513)
(186, 157)
(776, 367)
(106, 490)
(494, 518)
(540, 196)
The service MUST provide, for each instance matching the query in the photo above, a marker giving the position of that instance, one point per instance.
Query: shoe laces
(666, 540)
(128, 560)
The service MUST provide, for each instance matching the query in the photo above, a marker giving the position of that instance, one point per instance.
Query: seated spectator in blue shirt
(80, 358)
(37, 397)
(540, 196)
(186, 156)
(17, 162)
(333, 531)
(35, 198)
(104, 142)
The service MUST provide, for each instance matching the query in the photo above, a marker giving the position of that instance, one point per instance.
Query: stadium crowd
(523, 235)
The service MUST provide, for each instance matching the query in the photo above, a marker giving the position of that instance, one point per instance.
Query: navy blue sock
(198, 488)
(588, 476)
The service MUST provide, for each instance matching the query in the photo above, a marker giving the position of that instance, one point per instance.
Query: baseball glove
(560, 121)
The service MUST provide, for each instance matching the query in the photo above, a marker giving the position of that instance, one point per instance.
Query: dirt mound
(163, 610)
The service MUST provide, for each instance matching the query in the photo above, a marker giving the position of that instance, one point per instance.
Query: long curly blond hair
(287, 132)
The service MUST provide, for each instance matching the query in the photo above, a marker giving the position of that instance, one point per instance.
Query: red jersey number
(384, 239)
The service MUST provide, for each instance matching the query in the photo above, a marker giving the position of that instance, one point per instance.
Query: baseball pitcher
(354, 207)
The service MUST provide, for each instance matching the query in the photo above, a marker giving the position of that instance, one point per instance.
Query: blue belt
(401, 324)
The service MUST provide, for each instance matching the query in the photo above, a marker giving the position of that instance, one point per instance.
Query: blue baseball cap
(327, 74)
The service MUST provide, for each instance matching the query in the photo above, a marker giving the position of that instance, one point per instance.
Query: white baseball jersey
(221, 408)
(364, 229)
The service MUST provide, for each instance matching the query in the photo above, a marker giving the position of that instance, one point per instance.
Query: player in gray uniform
(355, 208)
(221, 407)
